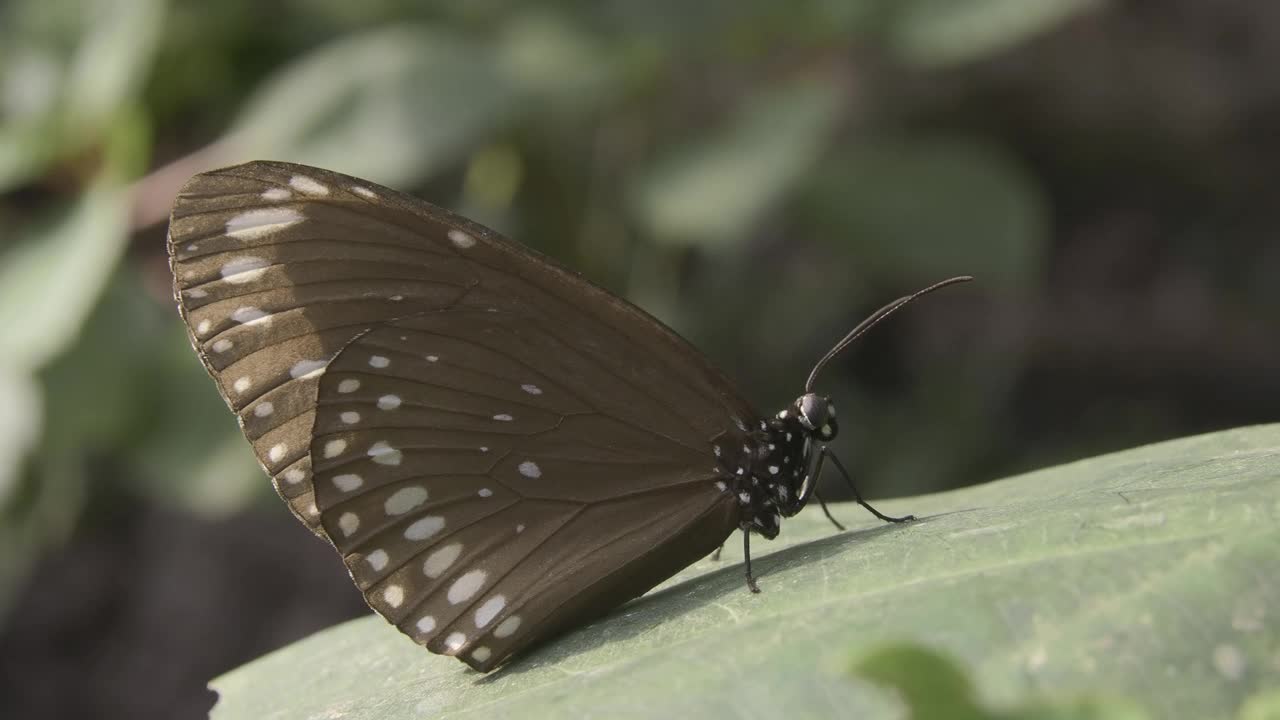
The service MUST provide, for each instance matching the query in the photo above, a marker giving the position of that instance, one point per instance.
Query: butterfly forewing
(496, 447)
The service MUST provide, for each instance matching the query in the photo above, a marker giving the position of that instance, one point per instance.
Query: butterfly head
(817, 415)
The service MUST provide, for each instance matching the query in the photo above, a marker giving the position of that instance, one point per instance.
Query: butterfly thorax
(768, 467)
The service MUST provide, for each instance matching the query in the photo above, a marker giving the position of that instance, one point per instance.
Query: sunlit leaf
(392, 105)
(711, 192)
(939, 32)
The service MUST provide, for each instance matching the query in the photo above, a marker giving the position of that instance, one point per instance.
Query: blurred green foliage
(725, 164)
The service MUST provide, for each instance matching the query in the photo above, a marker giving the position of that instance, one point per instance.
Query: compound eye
(815, 410)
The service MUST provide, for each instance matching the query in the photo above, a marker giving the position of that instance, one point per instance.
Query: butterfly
(498, 449)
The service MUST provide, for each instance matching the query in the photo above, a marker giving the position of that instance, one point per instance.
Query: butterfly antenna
(874, 319)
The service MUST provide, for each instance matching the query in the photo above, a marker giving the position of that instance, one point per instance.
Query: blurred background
(760, 175)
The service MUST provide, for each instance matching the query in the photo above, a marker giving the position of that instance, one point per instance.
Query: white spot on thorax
(426, 624)
(393, 595)
(276, 194)
(264, 409)
(379, 361)
(259, 223)
(465, 587)
(347, 482)
(388, 402)
(440, 560)
(377, 559)
(304, 369)
(307, 185)
(276, 453)
(424, 528)
(350, 417)
(530, 469)
(222, 345)
(461, 239)
(531, 389)
(383, 454)
(405, 499)
(503, 417)
(334, 448)
(507, 627)
(348, 523)
(349, 385)
(489, 610)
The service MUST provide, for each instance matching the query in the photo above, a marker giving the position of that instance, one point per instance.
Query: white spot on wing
(426, 624)
(276, 194)
(393, 595)
(440, 560)
(466, 587)
(503, 417)
(377, 559)
(461, 239)
(350, 417)
(507, 627)
(204, 327)
(433, 358)
(276, 453)
(197, 293)
(251, 316)
(307, 369)
(530, 469)
(307, 185)
(334, 448)
(484, 492)
(364, 192)
(383, 454)
(379, 361)
(388, 402)
(259, 223)
(481, 654)
(347, 482)
(348, 523)
(531, 389)
(405, 499)
(222, 345)
(455, 641)
(424, 528)
(294, 475)
(489, 610)
(348, 385)
(264, 409)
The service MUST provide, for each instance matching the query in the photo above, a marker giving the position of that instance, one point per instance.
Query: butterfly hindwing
(495, 446)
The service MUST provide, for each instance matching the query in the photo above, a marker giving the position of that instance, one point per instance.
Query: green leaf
(1143, 574)
(711, 192)
(943, 32)
(67, 71)
(934, 687)
(931, 206)
(392, 105)
(51, 278)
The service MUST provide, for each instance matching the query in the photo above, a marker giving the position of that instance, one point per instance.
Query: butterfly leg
(746, 553)
(827, 512)
(715, 556)
(858, 496)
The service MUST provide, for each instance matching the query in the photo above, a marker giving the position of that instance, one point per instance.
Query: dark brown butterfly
(498, 449)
